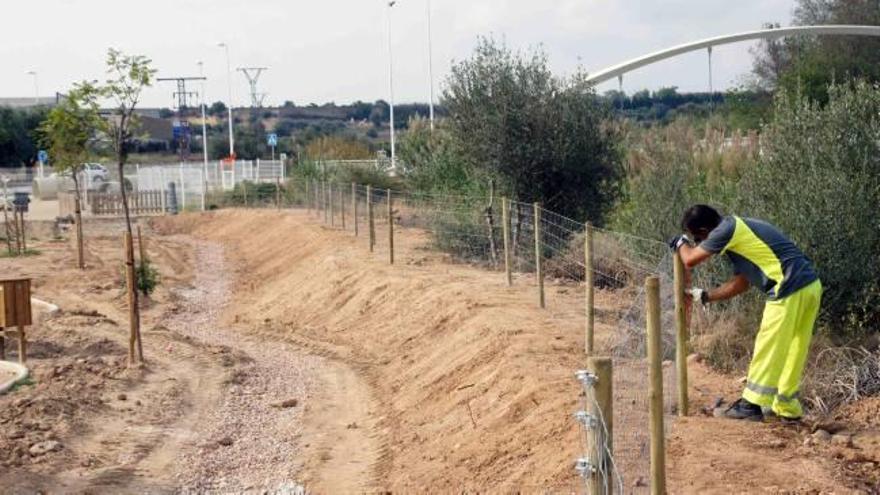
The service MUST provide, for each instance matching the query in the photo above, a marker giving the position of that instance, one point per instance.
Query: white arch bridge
(630, 65)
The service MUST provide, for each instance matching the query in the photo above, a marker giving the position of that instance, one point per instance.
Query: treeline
(18, 146)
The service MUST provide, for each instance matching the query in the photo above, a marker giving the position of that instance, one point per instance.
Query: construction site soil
(282, 353)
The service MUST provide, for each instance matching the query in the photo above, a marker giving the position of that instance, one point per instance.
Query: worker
(761, 256)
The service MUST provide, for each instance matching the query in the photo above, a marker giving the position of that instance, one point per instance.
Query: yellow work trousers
(781, 351)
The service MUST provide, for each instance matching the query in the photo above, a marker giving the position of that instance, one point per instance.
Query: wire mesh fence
(495, 233)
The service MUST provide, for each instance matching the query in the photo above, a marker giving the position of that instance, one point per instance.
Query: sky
(337, 50)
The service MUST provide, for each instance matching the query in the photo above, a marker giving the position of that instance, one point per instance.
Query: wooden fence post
(655, 363)
(390, 230)
(130, 291)
(539, 272)
(601, 438)
(22, 233)
(505, 229)
(590, 288)
(330, 201)
(372, 223)
(324, 200)
(354, 207)
(308, 198)
(317, 195)
(342, 205)
(681, 336)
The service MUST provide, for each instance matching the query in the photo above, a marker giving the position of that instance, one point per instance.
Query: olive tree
(543, 137)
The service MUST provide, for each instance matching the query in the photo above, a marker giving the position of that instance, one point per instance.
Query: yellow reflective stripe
(748, 245)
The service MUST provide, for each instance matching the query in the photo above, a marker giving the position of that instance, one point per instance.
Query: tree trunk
(6, 223)
(133, 311)
(77, 213)
(491, 221)
(517, 227)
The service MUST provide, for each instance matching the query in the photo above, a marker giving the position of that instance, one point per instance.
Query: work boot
(743, 409)
(771, 416)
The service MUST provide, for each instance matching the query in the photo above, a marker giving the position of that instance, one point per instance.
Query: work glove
(678, 241)
(698, 295)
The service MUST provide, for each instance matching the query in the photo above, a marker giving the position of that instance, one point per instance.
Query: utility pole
(391, 90)
(229, 103)
(430, 69)
(36, 86)
(183, 97)
(252, 74)
(204, 123)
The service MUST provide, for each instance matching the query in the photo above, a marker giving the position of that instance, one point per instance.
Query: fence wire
(472, 230)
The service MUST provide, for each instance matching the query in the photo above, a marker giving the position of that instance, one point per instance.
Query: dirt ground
(281, 353)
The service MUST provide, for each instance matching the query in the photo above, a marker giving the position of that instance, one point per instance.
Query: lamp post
(430, 69)
(229, 102)
(36, 86)
(391, 89)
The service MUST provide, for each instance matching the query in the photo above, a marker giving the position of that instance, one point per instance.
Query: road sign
(272, 139)
(42, 156)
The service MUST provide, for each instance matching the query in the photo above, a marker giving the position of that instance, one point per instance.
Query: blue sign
(272, 139)
(42, 156)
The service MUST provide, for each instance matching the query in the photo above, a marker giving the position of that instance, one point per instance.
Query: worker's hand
(698, 295)
(678, 241)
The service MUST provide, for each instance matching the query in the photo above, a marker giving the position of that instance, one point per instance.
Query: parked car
(95, 175)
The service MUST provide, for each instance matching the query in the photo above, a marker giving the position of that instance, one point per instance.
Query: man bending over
(761, 256)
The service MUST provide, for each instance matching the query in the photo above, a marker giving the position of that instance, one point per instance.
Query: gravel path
(249, 442)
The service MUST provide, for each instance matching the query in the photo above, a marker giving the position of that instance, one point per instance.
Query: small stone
(122, 397)
(718, 412)
(41, 448)
(694, 358)
(352, 426)
(15, 435)
(808, 442)
(822, 436)
(842, 439)
(285, 404)
(225, 441)
(137, 402)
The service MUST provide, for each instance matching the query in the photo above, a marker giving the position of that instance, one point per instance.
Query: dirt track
(425, 376)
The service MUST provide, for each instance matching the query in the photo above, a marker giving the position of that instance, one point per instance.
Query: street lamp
(36, 86)
(430, 69)
(229, 105)
(391, 89)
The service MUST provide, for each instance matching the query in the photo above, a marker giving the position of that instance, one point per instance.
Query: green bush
(147, 277)
(819, 181)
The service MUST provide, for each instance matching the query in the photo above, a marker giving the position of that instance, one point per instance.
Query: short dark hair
(700, 217)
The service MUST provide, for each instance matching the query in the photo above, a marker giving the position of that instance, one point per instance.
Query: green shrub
(147, 277)
(819, 181)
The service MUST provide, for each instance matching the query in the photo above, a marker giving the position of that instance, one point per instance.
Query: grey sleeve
(720, 236)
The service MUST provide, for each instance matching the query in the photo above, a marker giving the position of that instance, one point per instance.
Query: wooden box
(15, 302)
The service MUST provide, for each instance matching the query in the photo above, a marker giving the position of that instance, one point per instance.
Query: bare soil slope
(473, 385)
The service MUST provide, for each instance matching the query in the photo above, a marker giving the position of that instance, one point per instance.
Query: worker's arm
(730, 289)
(693, 256)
